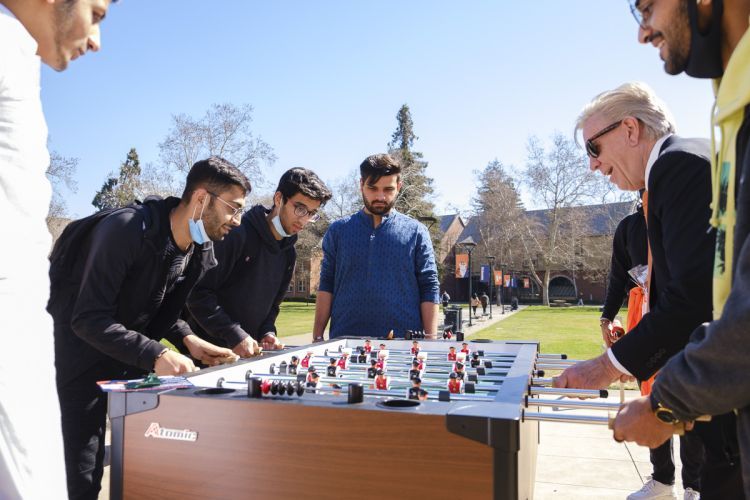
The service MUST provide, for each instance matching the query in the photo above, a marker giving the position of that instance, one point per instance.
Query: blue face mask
(197, 231)
(276, 221)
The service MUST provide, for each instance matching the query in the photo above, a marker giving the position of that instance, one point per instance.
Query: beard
(212, 222)
(64, 16)
(678, 39)
(378, 209)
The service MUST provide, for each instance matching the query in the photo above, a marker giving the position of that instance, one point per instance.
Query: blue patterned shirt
(378, 276)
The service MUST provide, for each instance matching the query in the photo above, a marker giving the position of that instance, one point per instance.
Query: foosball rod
(568, 393)
(571, 419)
(436, 384)
(573, 405)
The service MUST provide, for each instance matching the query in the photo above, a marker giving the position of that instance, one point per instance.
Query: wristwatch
(664, 414)
(603, 321)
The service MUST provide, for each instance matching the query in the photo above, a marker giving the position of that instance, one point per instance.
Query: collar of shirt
(367, 218)
(28, 44)
(655, 152)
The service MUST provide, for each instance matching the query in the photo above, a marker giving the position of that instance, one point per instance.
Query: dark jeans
(84, 410)
(721, 478)
(691, 456)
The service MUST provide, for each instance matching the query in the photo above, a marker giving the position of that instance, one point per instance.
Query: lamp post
(468, 244)
(491, 259)
(502, 280)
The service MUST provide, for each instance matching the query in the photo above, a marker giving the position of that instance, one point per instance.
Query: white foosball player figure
(373, 370)
(416, 391)
(415, 371)
(293, 365)
(382, 358)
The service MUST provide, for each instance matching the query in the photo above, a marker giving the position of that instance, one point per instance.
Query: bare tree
(224, 130)
(347, 198)
(61, 172)
(559, 178)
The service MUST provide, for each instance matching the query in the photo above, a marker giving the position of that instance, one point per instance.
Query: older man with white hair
(629, 137)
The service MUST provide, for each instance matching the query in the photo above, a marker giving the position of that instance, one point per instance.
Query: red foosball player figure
(332, 370)
(343, 362)
(368, 346)
(447, 335)
(310, 371)
(458, 369)
(465, 349)
(293, 364)
(382, 383)
(312, 380)
(414, 348)
(451, 354)
(373, 370)
(306, 360)
(455, 384)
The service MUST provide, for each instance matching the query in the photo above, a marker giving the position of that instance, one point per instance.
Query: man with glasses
(119, 281)
(708, 39)
(378, 274)
(639, 150)
(237, 303)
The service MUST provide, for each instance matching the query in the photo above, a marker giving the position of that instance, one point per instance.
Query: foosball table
(346, 418)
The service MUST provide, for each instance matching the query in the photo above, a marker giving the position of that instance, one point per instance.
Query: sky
(326, 79)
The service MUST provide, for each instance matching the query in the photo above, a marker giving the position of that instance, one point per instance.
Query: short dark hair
(305, 181)
(215, 174)
(376, 166)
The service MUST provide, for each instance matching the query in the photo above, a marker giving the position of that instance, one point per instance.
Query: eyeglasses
(591, 148)
(641, 13)
(236, 212)
(301, 210)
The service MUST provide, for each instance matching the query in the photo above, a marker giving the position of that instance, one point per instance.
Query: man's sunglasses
(592, 149)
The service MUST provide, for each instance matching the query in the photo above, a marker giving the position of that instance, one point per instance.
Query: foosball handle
(679, 427)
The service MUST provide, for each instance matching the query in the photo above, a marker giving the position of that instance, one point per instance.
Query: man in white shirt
(31, 32)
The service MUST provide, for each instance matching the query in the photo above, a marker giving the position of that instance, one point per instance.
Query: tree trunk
(545, 288)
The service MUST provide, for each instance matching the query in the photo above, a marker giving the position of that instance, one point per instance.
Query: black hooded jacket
(114, 305)
(241, 296)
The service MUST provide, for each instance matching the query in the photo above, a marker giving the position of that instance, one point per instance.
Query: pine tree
(121, 190)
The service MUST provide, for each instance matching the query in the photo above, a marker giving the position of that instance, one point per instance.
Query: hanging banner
(498, 278)
(484, 274)
(526, 283)
(462, 265)
(506, 280)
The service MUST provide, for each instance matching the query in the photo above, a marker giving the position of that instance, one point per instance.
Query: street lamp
(491, 259)
(468, 244)
(502, 281)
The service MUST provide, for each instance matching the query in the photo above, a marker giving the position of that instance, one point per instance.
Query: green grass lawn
(573, 331)
(295, 318)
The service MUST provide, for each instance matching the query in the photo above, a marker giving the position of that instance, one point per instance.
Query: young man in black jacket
(123, 292)
(236, 304)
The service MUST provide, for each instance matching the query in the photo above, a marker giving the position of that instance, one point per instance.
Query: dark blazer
(119, 308)
(241, 296)
(629, 249)
(679, 190)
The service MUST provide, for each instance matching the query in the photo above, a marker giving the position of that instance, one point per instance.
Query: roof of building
(446, 221)
(602, 219)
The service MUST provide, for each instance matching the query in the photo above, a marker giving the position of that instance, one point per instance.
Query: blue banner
(484, 274)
